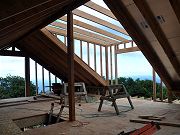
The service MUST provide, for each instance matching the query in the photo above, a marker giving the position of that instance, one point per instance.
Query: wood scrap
(151, 117)
(157, 122)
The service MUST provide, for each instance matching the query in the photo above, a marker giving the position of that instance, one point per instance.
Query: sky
(132, 64)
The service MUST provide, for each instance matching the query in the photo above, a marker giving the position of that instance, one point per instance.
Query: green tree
(14, 86)
(141, 88)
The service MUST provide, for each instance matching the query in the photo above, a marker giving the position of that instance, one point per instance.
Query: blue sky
(129, 65)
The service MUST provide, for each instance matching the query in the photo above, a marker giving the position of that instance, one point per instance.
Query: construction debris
(148, 129)
(157, 122)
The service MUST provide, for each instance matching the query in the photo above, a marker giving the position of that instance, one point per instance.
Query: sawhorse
(115, 92)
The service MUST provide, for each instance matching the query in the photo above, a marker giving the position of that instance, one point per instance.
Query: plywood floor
(91, 122)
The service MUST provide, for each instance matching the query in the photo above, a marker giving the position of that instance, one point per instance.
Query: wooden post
(154, 85)
(116, 72)
(70, 45)
(88, 53)
(65, 40)
(49, 81)
(81, 53)
(101, 60)
(27, 76)
(43, 80)
(13, 48)
(111, 65)
(124, 45)
(36, 78)
(169, 93)
(55, 79)
(107, 67)
(161, 90)
(94, 57)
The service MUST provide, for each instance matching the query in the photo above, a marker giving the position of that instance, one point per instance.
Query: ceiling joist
(100, 9)
(84, 32)
(76, 36)
(95, 29)
(99, 21)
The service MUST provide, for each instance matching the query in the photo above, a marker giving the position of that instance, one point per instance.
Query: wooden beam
(36, 78)
(88, 58)
(116, 72)
(158, 32)
(161, 90)
(55, 78)
(119, 43)
(70, 42)
(126, 50)
(107, 65)
(100, 9)
(81, 52)
(27, 77)
(86, 33)
(76, 36)
(101, 61)
(95, 29)
(99, 21)
(176, 7)
(111, 65)
(154, 84)
(65, 40)
(49, 81)
(12, 53)
(122, 14)
(95, 58)
(45, 14)
(43, 87)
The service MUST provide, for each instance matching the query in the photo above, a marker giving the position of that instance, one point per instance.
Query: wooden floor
(90, 121)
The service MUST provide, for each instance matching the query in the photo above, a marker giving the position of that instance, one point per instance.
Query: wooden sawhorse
(115, 92)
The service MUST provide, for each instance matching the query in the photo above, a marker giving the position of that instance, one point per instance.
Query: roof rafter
(176, 7)
(84, 32)
(95, 29)
(100, 9)
(76, 36)
(158, 32)
(99, 21)
(122, 14)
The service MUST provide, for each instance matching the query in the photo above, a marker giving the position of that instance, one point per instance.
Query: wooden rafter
(12, 53)
(84, 32)
(76, 36)
(99, 21)
(126, 50)
(35, 16)
(95, 29)
(176, 7)
(100, 9)
(158, 32)
(128, 22)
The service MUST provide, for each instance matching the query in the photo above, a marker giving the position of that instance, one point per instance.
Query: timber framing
(100, 9)
(156, 29)
(87, 33)
(128, 22)
(126, 50)
(36, 15)
(176, 7)
(99, 21)
(12, 53)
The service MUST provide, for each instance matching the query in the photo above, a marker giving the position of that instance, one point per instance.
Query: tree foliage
(14, 86)
(141, 88)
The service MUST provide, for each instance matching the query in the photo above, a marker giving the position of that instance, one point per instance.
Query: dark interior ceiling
(18, 18)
